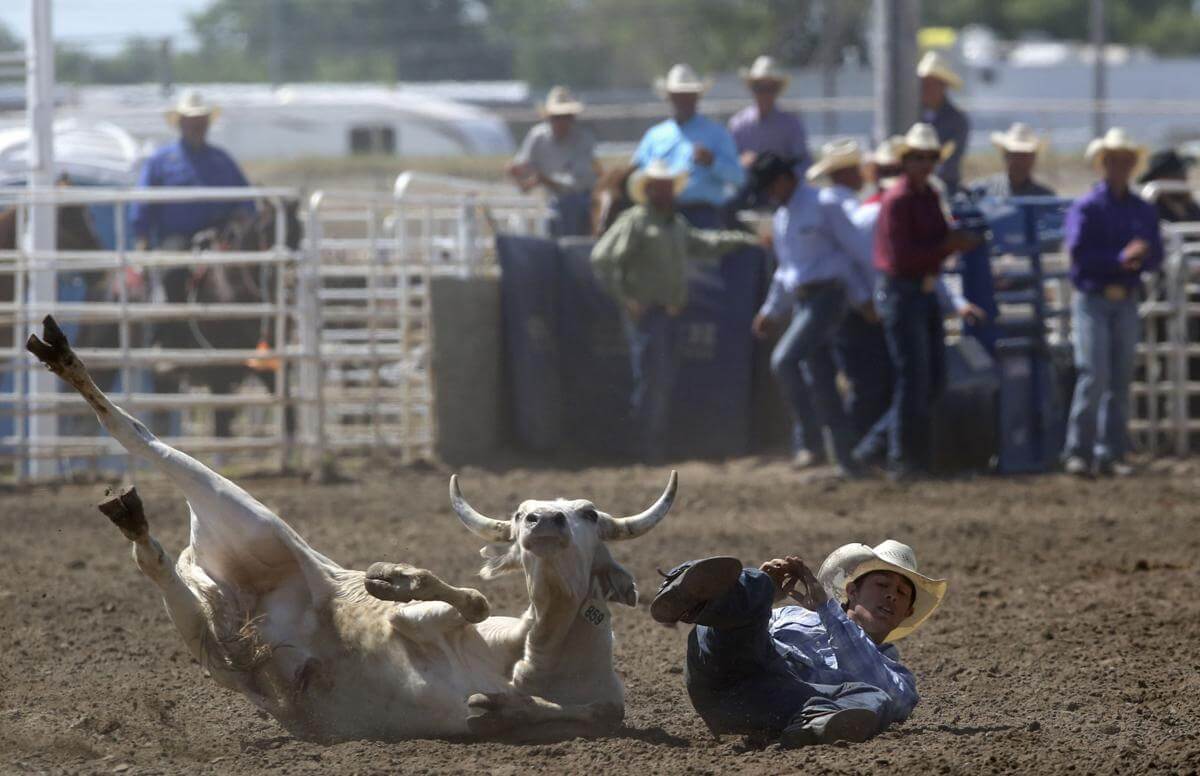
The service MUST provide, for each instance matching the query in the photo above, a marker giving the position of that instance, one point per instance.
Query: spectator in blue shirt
(695, 144)
(825, 671)
(1112, 236)
(190, 161)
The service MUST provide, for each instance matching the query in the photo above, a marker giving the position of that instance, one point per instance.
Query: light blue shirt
(816, 242)
(675, 144)
(826, 647)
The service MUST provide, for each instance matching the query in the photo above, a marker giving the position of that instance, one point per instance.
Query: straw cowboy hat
(560, 102)
(657, 170)
(885, 153)
(934, 65)
(765, 69)
(1018, 139)
(923, 137)
(1115, 139)
(191, 103)
(681, 79)
(836, 155)
(851, 561)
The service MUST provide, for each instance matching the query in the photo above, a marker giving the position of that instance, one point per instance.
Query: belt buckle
(1116, 293)
(928, 283)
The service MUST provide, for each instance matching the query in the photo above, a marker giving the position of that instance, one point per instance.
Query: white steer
(397, 653)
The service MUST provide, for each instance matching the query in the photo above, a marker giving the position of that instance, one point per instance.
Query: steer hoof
(125, 510)
(476, 608)
(53, 350)
(485, 715)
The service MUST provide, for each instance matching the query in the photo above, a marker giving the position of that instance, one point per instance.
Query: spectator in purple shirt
(764, 128)
(1112, 236)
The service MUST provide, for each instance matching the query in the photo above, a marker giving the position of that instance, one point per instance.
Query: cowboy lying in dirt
(825, 671)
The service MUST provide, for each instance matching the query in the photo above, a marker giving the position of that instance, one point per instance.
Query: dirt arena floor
(1068, 642)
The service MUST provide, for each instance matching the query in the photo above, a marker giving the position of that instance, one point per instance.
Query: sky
(103, 25)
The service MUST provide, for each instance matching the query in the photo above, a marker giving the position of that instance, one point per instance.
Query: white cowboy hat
(560, 102)
(1115, 139)
(765, 69)
(934, 65)
(886, 152)
(923, 137)
(836, 155)
(657, 170)
(851, 561)
(681, 79)
(191, 103)
(1018, 139)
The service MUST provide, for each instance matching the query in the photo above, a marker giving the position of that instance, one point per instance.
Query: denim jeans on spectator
(912, 324)
(656, 354)
(736, 680)
(803, 363)
(862, 355)
(571, 214)
(1105, 338)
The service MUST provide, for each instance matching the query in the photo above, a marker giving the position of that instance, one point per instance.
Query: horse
(610, 198)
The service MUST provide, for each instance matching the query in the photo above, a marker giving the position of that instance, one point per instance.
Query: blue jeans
(1105, 338)
(912, 324)
(571, 214)
(656, 354)
(738, 683)
(803, 364)
(862, 354)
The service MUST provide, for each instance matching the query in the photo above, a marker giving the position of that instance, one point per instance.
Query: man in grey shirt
(1019, 146)
(560, 155)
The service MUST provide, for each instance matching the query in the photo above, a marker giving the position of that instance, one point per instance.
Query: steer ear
(616, 583)
(499, 558)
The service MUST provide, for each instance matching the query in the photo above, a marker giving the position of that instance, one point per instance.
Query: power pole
(166, 73)
(275, 44)
(894, 57)
(43, 283)
(1099, 74)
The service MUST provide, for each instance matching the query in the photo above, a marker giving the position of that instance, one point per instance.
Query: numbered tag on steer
(593, 613)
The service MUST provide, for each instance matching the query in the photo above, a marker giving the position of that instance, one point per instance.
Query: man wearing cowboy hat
(642, 261)
(190, 161)
(560, 156)
(951, 124)
(825, 671)
(763, 127)
(1019, 146)
(860, 348)
(1112, 236)
(822, 271)
(691, 143)
(912, 239)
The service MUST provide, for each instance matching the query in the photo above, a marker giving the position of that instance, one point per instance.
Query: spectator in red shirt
(912, 239)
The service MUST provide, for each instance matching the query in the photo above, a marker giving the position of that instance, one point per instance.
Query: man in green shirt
(642, 261)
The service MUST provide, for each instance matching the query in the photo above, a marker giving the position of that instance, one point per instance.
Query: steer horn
(481, 525)
(616, 528)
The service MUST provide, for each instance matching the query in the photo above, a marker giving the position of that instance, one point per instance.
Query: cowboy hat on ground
(853, 561)
(765, 69)
(561, 102)
(657, 170)
(1018, 139)
(191, 103)
(923, 137)
(836, 155)
(681, 79)
(934, 65)
(1115, 139)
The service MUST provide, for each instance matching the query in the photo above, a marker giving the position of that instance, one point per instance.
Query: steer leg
(235, 539)
(403, 583)
(530, 717)
(125, 510)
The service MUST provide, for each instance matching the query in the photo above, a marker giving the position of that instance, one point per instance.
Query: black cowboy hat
(767, 167)
(1167, 163)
